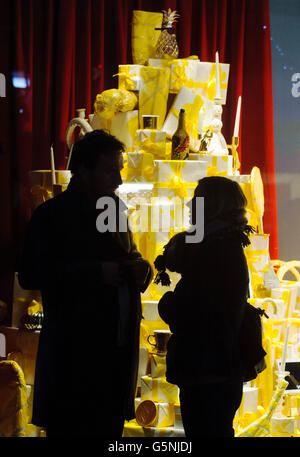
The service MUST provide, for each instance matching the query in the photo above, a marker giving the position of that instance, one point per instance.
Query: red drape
(69, 50)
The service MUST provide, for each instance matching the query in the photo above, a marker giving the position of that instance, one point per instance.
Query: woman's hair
(87, 150)
(223, 199)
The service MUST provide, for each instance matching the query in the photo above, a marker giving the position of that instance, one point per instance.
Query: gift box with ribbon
(152, 141)
(140, 167)
(158, 365)
(257, 253)
(187, 171)
(249, 401)
(191, 102)
(217, 165)
(193, 74)
(154, 93)
(129, 77)
(158, 390)
(122, 125)
(162, 416)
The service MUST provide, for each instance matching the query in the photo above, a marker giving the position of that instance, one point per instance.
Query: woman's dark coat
(206, 308)
(78, 360)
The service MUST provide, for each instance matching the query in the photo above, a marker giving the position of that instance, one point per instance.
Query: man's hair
(88, 149)
(223, 198)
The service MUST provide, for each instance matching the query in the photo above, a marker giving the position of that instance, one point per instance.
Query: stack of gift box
(143, 113)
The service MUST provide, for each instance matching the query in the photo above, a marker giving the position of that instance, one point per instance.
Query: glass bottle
(180, 139)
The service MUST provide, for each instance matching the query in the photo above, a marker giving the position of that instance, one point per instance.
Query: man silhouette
(90, 283)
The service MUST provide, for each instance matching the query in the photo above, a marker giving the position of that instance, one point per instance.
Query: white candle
(218, 92)
(52, 166)
(237, 118)
(69, 158)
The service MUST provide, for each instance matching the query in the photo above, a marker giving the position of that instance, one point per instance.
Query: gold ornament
(166, 47)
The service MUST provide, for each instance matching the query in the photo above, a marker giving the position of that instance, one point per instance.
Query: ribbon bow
(125, 80)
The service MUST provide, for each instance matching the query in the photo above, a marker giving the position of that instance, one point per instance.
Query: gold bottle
(180, 140)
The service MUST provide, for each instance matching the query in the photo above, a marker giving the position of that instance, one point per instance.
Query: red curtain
(69, 50)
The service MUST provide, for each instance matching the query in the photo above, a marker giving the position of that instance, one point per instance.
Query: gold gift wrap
(287, 284)
(257, 253)
(191, 102)
(152, 141)
(288, 295)
(154, 93)
(282, 426)
(275, 308)
(143, 363)
(113, 101)
(158, 390)
(144, 36)
(129, 77)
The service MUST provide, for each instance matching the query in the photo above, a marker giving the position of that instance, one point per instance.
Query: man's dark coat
(78, 360)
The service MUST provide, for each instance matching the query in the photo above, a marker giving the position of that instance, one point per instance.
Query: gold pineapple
(166, 46)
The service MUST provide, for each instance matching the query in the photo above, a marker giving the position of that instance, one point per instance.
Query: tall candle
(218, 92)
(69, 158)
(237, 118)
(52, 166)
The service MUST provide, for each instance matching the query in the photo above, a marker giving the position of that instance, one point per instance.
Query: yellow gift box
(165, 416)
(129, 77)
(144, 36)
(154, 92)
(152, 141)
(158, 390)
(275, 308)
(187, 171)
(158, 365)
(191, 102)
(178, 418)
(217, 165)
(139, 167)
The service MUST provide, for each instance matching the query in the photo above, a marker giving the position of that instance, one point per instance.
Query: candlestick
(52, 166)
(218, 92)
(237, 118)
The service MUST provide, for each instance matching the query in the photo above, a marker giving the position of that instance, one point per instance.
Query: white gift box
(139, 167)
(158, 390)
(193, 74)
(191, 103)
(153, 141)
(178, 419)
(133, 430)
(296, 284)
(150, 310)
(282, 426)
(129, 77)
(158, 365)
(123, 126)
(217, 165)
(288, 295)
(189, 171)
(165, 414)
(274, 308)
(249, 400)
(143, 363)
